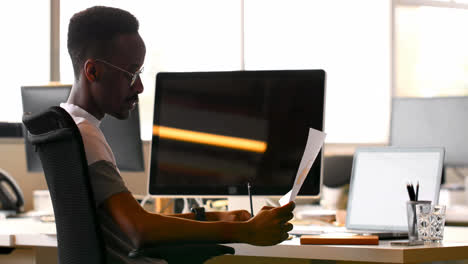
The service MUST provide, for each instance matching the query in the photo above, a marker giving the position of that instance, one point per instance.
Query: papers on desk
(316, 229)
(314, 144)
(324, 215)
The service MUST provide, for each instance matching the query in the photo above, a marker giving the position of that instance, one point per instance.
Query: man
(107, 55)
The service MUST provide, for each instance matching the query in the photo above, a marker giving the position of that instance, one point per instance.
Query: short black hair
(91, 31)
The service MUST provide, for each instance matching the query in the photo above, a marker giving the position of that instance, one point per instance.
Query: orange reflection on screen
(209, 139)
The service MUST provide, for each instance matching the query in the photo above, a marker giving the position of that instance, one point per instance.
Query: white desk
(34, 241)
(29, 233)
(455, 247)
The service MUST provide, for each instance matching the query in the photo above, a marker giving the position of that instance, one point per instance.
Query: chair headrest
(51, 124)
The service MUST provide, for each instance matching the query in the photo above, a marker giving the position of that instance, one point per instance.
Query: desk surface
(30, 232)
(453, 248)
(27, 232)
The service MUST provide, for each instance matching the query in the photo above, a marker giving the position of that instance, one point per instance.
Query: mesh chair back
(60, 147)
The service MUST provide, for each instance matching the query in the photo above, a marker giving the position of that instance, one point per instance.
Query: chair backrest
(60, 147)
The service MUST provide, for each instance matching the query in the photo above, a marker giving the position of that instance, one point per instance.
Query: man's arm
(237, 215)
(268, 227)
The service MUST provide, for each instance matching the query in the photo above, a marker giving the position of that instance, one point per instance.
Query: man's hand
(230, 216)
(270, 226)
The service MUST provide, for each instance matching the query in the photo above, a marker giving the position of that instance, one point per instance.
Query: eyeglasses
(133, 75)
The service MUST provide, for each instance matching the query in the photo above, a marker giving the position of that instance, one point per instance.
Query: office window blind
(180, 35)
(25, 52)
(350, 40)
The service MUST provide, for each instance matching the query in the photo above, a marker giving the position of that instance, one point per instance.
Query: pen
(250, 198)
(417, 191)
(410, 189)
(413, 195)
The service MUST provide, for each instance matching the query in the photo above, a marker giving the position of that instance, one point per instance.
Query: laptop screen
(378, 195)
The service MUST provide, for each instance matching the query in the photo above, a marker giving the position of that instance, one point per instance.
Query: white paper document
(314, 144)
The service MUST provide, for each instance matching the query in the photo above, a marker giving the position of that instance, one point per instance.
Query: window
(25, 52)
(180, 35)
(431, 50)
(350, 40)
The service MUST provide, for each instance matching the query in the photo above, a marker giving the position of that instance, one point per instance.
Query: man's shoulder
(103, 166)
(88, 129)
(95, 143)
(92, 136)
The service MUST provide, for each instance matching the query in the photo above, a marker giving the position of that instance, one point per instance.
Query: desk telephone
(11, 197)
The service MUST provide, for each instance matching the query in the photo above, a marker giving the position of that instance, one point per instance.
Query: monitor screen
(215, 131)
(123, 136)
(432, 122)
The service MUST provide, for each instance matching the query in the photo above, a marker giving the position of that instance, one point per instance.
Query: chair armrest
(183, 253)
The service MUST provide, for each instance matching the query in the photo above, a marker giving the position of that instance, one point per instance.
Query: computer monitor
(123, 136)
(432, 122)
(215, 131)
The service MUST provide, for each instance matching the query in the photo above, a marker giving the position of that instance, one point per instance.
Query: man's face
(114, 95)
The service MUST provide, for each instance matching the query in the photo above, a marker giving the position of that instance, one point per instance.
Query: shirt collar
(76, 111)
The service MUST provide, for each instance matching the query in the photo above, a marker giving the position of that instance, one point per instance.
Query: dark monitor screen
(215, 131)
(432, 122)
(123, 136)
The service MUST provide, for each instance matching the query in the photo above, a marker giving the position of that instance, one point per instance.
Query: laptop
(377, 192)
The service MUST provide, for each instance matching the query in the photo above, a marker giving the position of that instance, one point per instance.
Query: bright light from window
(431, 51)
(350, 40)
(25, 52)
(180, 35)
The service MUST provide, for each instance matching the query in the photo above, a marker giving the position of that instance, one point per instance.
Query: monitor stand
(242, 202)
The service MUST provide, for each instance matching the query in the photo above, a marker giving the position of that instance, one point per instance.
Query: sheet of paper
(314, 144)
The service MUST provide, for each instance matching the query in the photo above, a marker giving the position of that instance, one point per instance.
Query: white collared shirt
(95, 144)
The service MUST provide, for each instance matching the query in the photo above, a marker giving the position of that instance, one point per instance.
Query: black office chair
(60, 147)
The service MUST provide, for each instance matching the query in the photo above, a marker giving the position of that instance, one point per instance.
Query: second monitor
(123, 136)
(428, 122)
(215, 131)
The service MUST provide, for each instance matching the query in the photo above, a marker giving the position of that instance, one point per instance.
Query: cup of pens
(413, 194)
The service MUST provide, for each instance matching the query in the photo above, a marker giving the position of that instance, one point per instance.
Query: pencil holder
(412, 219)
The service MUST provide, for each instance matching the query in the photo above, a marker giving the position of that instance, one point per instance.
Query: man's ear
(91, 71)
